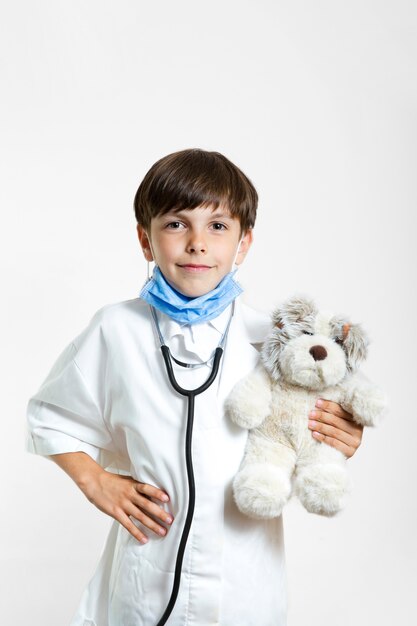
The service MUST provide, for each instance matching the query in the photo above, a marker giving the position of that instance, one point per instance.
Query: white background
(316, 102)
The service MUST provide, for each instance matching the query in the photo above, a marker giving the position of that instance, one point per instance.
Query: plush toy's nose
(318, 353)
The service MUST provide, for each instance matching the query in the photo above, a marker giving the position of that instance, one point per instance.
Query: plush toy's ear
(356, 344)
(353, 339)
(293, 310)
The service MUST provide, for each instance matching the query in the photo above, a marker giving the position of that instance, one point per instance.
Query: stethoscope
(190, 394)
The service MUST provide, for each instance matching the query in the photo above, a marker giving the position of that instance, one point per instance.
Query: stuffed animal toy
(308, 354)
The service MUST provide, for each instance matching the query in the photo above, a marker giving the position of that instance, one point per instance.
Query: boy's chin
(193, 289)
(190, 291)
(194, 286)
(194, 293)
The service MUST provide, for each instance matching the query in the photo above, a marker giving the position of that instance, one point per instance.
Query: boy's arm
(121, 497)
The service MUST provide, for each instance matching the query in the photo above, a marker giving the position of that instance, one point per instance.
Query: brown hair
(193, 178)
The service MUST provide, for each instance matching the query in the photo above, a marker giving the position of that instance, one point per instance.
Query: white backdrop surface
(316, 102)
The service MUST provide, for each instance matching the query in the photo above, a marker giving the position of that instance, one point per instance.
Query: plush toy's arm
(363, 400)
(249, 402)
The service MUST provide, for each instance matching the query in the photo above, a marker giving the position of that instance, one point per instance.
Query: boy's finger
(138, 514)
(334, 408)
(335, 443)
(127, 523)
(332, 432)
(152, 508)
(333, 420)
(150, 491)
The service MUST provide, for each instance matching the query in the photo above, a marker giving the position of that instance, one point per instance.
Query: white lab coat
(108, 395)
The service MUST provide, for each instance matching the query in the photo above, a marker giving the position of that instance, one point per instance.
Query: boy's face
(195, 248)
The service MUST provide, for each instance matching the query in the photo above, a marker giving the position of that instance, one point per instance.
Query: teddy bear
(308, 354)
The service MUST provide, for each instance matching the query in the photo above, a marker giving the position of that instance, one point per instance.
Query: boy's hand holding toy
(330, 423)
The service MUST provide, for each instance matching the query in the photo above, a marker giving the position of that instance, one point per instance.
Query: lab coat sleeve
(67, 412)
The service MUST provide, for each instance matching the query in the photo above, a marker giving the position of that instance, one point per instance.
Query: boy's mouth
(193, 267)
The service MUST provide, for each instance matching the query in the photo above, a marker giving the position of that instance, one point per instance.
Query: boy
(107, 405)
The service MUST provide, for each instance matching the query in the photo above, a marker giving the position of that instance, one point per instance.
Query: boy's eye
(174, 225)
(218, 226)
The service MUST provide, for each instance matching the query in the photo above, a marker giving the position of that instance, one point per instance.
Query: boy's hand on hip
(331, 424)
(122, 497)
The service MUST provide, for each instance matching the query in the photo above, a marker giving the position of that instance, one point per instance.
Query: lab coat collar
(246, 334)
(254, 324)
(169, 327)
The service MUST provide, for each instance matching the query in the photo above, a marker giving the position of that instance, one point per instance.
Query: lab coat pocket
(138, 586)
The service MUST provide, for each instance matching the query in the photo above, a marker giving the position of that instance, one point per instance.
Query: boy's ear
(244, 246)
(144, 243)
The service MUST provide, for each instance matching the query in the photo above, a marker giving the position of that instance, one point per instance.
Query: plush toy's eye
(305, 332)
(338, 340)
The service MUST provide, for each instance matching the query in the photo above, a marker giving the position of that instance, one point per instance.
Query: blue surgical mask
(185, 310)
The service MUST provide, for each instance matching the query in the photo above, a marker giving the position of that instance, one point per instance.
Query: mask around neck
(184, 309)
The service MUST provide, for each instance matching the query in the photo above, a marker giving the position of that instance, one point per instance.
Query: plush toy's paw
(249, 401)
(322, 488)
(261, 490)
(246, 414)
(368, 405)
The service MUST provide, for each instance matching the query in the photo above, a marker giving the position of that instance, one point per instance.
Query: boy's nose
(196, 243)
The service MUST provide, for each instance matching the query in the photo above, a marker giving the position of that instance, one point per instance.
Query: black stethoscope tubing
(190, 394)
